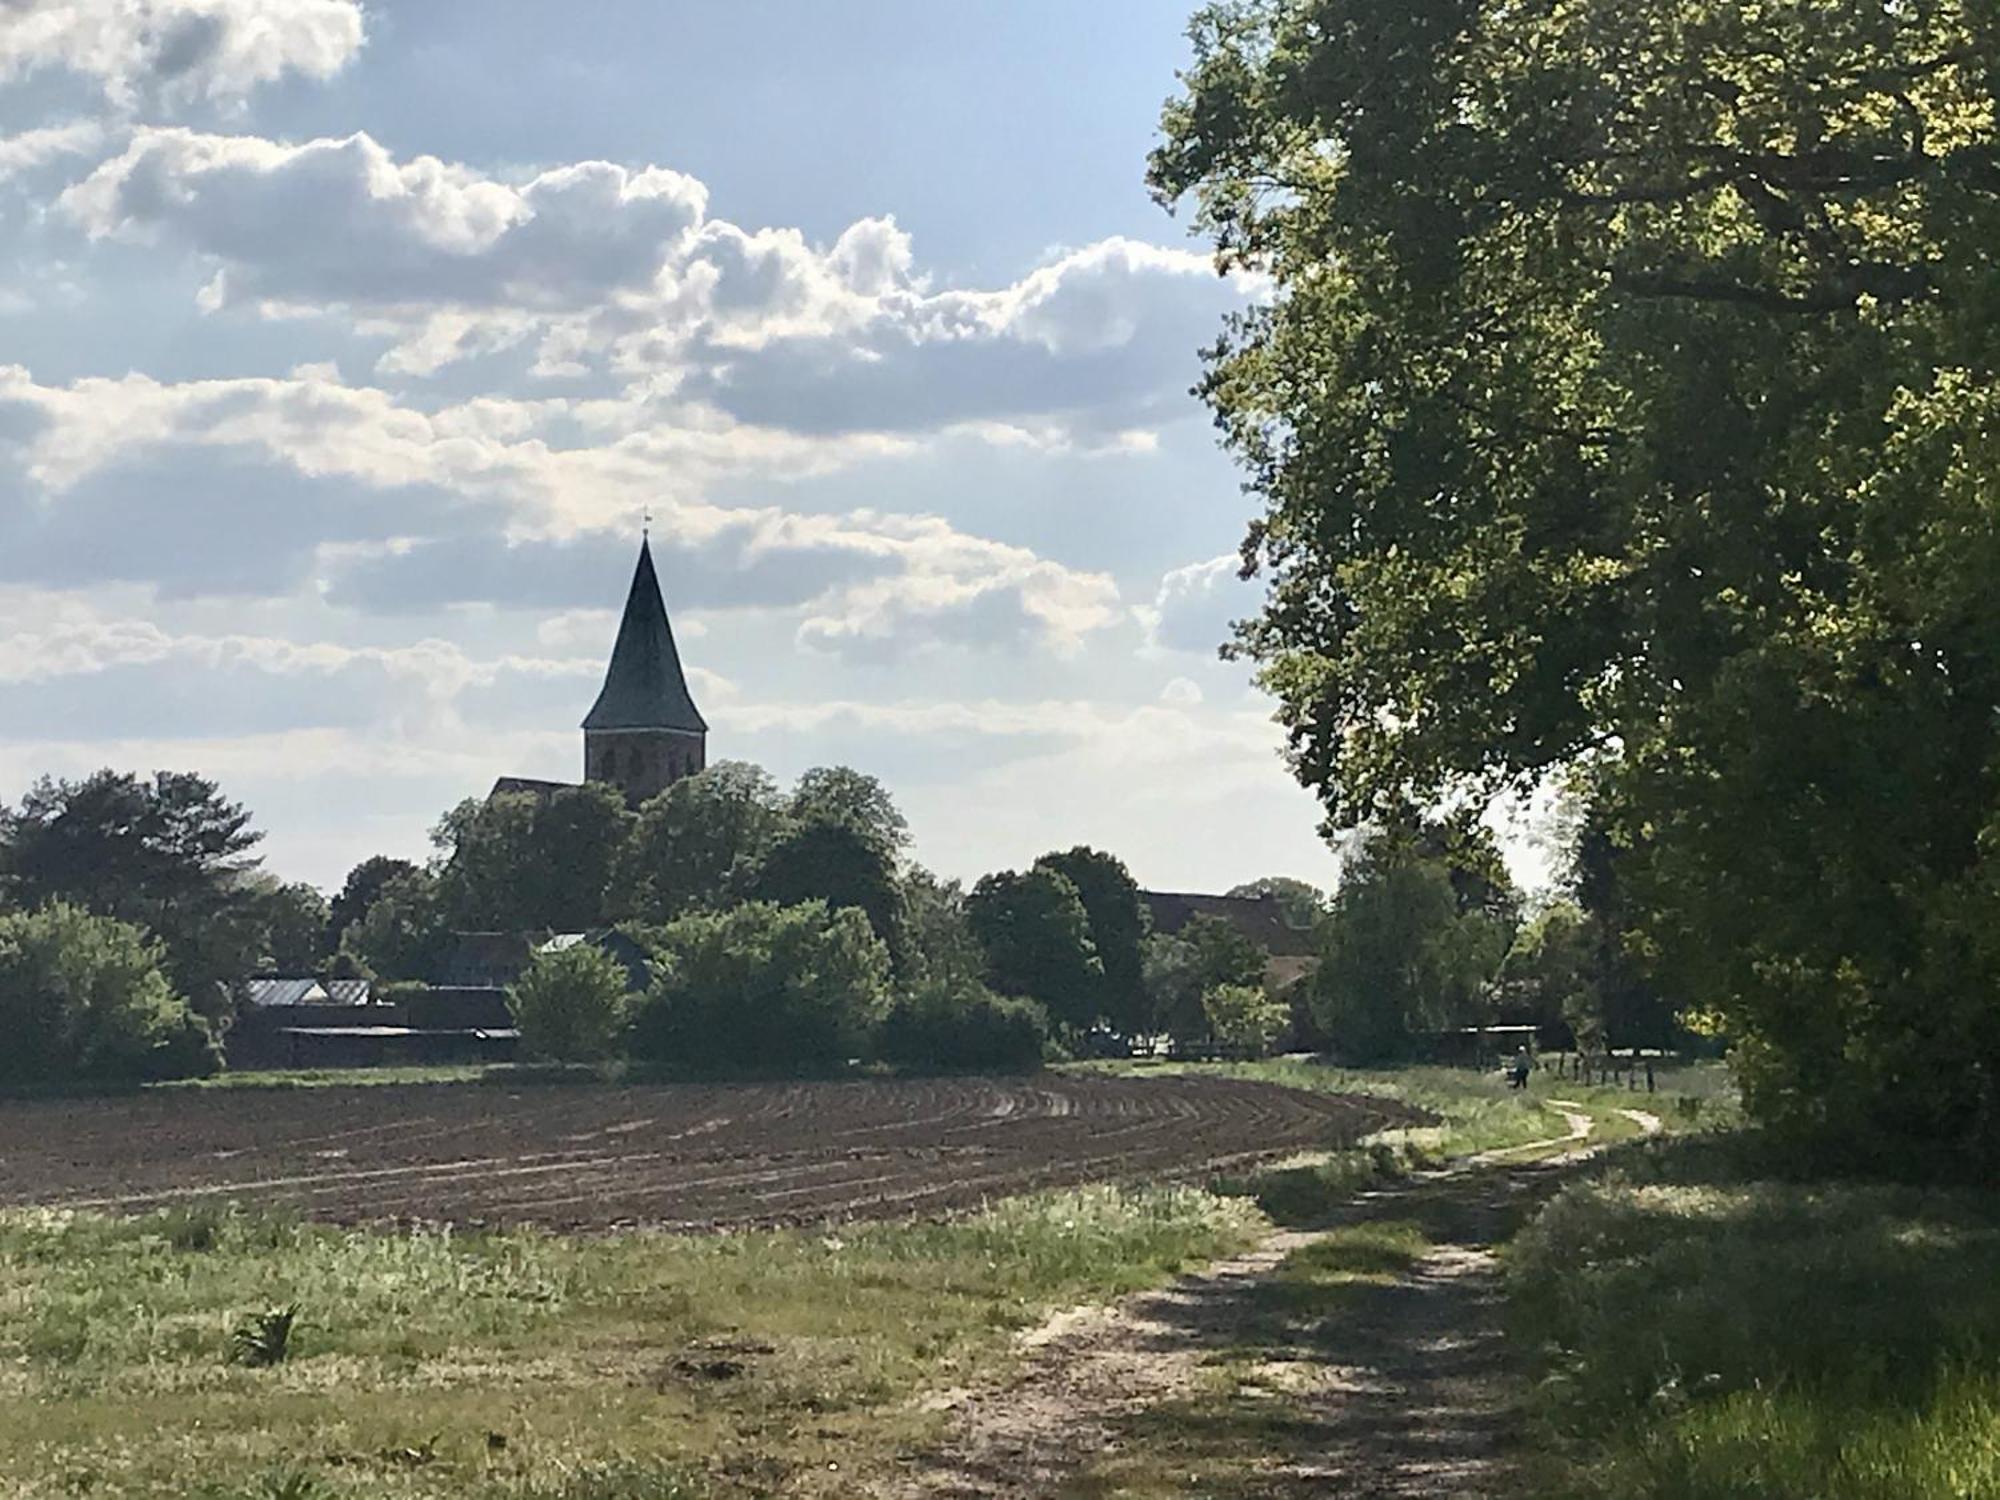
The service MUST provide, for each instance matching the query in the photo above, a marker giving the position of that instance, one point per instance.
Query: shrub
(571, 1005)
(963, 1026)
(84, 998)
(763, 988)
(1244, 1019)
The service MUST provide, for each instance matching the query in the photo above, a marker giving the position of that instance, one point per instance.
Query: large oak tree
(1625, 399)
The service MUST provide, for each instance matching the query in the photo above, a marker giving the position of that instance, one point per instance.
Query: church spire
(644, 687)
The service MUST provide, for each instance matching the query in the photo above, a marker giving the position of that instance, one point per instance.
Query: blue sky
(342, 346)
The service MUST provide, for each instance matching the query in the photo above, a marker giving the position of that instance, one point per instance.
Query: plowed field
(682, 1156)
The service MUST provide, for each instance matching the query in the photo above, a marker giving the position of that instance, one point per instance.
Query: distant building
(1289, 952)
(643, 733)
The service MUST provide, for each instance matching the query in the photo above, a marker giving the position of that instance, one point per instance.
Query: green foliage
(1244, 1019)
(571, 1005)
(1628, 391)
(1036, 935)
(358, 892)
(1684, 1313)
(1181, 968)
(522, 862)
(169, 854)
(1119, 923)
(942, 946)
(403, 932)
(83, 999)
(1402, 956)
(942, 1026)
(698, 844)
(1302, 902)
(294, 919)
(763, 988)
(843, 797)
(1549, 977)
(265, 1338)
(842, 865)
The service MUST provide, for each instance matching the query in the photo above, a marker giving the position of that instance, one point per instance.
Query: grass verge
(1708, 1333)
(531, 1366)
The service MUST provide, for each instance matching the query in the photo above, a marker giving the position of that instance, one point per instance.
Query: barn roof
(293, 990)
(1259, 918)
(644, 687)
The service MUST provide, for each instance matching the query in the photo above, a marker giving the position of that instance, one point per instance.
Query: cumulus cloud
(260, 487)
(179, 50)
(1195, 605)
(27, 150)
(620, 271)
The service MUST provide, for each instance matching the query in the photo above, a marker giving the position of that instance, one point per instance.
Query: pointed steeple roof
(644, 688)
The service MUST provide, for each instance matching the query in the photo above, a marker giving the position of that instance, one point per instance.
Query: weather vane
(646, 524)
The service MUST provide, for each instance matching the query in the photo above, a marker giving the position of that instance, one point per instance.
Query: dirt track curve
(682, 1156)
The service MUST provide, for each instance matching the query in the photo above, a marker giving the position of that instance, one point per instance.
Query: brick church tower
(644, 733)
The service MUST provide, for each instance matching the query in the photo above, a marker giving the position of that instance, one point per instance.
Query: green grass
(519, 1364)
(1708, 1334)
(1476, 1110)
(319, 1078)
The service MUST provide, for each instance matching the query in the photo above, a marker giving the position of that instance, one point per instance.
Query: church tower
(644, 733)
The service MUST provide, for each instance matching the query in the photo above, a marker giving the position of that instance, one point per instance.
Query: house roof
(1259, 918)
(644, 687)
(295, 990)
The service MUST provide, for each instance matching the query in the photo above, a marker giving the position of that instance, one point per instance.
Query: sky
(344, 345)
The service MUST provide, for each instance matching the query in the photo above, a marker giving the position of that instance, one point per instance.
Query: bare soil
(679, 1156)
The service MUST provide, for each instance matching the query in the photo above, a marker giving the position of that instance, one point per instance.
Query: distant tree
(944, 950)
(763, 988)
(1550, 975)
(520, 862)
(698, 844)
(842, 865)
(952, 1027)
(404, 933)
(294, 921)
(84, 998)
(1633, 1009)
(1302, 904)
(1181, 968)
(571, 1005)
(845, 797)
(1243, 1018)
(1119, 923)
(169, 854)
(1036, 935)
(1405, 954)
(358, 892)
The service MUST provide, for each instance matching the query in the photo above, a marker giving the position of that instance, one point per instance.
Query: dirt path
(1236, 1382)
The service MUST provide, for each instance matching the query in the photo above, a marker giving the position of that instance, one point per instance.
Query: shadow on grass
(1730, 1324)
(1371, 1361)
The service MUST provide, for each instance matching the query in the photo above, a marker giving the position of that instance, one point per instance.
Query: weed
(265, 1338)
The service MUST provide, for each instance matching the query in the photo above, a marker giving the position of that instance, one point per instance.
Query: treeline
(788, 929)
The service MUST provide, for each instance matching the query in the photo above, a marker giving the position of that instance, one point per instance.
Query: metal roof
(283, 991)
(644, 687)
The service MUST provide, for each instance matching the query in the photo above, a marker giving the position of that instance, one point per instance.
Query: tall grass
(521, 1364)
(1731, 1337)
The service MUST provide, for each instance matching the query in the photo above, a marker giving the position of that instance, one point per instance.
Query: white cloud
(28, 149)
(1195, 605)
(180, 50)
(620, 271)
(508, 518)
